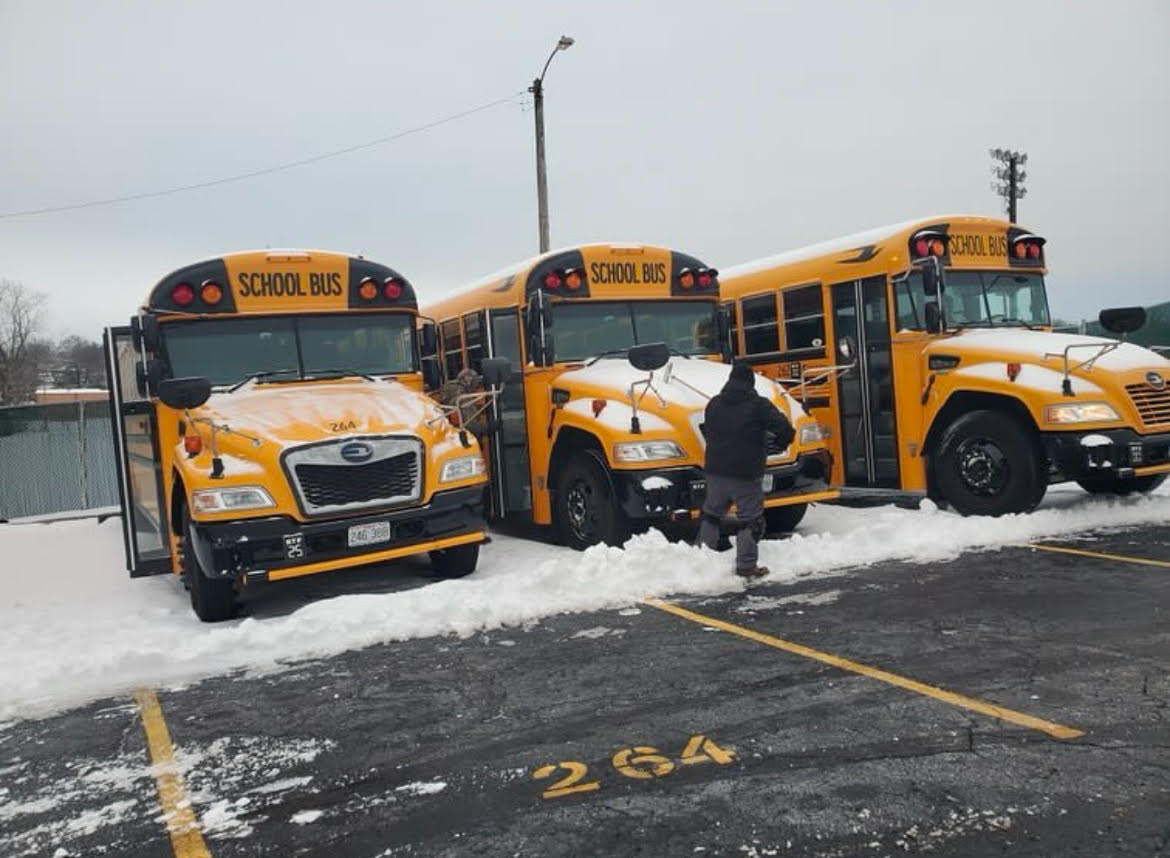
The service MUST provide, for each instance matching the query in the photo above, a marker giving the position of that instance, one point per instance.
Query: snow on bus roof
(841, 244)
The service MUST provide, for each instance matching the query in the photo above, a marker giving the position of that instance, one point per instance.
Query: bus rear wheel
(987, 465)
(455, 562)
(587, 512)
(212, 599)
(781, 520)
(1116, 486)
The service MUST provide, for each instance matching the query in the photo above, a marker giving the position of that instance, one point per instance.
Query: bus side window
(452, 349)
(729, 307)
(804, 319)
(473, 337)
(760, 334)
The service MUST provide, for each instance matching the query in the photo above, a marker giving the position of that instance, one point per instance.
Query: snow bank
(78, 629)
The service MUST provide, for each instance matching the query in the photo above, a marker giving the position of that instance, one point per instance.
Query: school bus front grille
(389, 474)
(1153, 405)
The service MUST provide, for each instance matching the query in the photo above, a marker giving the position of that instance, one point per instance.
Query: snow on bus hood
(298, 412)
(691, 383)
(1039, 346)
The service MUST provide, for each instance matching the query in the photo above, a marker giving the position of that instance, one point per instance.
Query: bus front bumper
(674, 493)
(1119, 453)
(282, 547)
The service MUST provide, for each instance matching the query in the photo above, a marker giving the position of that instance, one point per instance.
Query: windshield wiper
(990, 323)
(613, 352)
(258, 376)
(330, 372)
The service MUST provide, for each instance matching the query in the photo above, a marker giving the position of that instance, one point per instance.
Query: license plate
(369, 534)
(766, 483)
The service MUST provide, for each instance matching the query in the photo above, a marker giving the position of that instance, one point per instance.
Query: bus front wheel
(587, 512)
(987, 465)
(781, 520)
(213, 599)
(455, 562)
(1117, 486)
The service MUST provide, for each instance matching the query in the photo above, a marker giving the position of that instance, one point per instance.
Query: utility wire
(239, 177)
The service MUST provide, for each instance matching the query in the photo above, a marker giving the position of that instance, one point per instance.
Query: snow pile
(80, 629)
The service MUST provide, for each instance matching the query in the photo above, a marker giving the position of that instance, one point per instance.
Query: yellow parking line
(1099, 555)
(1058, 731)
(182, 824)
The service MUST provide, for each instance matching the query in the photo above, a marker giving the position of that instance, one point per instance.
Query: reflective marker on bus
(269, 422)
(615, 350)
(927, 346)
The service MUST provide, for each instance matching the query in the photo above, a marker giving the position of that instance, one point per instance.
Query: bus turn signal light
(368, 289)
(183, 295)
(598, 406)
(686, 278)
(210, 292)
(573, 279)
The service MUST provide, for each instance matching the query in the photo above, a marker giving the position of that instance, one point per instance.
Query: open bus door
(144, 521)
(511, 474)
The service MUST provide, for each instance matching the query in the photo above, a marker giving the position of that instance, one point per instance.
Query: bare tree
(21, 316)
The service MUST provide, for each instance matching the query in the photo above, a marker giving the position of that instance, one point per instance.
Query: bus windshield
(226, 351)
(583, 330)
(976, 299)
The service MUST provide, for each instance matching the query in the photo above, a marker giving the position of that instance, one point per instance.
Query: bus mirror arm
(817, 374)
(647, 385)
(1066, 383)
(216, 428)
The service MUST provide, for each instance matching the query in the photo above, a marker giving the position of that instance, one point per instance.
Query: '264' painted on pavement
(641, 762)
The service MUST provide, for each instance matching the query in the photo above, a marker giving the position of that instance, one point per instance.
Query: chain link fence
(56, 458)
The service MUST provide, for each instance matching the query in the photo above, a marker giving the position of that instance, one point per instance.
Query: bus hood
(301, 413)
(685, 386)
(1045, 348)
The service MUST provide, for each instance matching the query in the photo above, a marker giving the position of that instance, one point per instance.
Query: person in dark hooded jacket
(736, 426)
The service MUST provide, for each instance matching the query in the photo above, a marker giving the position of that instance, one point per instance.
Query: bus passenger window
(452, 348)
(473, 335)
(804, 319)
(760, 335)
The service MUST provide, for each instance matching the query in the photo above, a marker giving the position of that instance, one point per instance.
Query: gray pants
(748, 497)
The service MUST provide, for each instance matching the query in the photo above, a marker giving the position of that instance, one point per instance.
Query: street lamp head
(564, 43)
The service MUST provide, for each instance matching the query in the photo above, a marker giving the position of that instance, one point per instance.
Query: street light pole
(537, 90)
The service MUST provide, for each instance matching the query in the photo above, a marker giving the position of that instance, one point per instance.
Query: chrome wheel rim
(983, 467)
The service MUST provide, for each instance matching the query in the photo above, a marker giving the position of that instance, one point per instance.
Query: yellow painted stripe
(1150, 470)
(812, 497)
(182, 824)
(1098, 555)
(376, 556)
(1058, 731)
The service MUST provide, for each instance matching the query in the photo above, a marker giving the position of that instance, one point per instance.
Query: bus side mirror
(932, 317)
(432, 375)
(495, 371)
(648, 357)
(1122, 320)
(931, 280)
(847, 349)
(429, 339)
(148, 333)
(726, 348)
(184, 393)
(147, 378)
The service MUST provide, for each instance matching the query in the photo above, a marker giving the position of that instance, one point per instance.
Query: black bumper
(676, 492)
(1114, 452)
(250, 548)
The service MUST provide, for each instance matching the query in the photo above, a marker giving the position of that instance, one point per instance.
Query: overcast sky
(728, 130)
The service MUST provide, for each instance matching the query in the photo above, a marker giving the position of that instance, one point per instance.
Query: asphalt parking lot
(1013, 701)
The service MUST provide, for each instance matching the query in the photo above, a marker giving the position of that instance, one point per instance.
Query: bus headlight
(463, 468)
(1080, 412)
(647, 451)
(815, 433)
(231, 499)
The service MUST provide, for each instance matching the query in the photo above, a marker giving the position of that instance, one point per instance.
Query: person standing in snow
(736, 426)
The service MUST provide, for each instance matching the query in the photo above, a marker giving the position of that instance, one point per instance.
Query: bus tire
(212, 599)
(988, 465)
(782, 520)
(586, 510)
(1111, 485)
(456, 562)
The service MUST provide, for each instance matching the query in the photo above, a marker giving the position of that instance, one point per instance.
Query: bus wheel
(587, 512)
(784, 519)
(213, 599)
(987, 465)
(1117, 486)
(455, 562)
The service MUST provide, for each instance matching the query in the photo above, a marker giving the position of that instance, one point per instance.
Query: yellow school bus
(927, 346)
(614, 350)
(269, 422)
